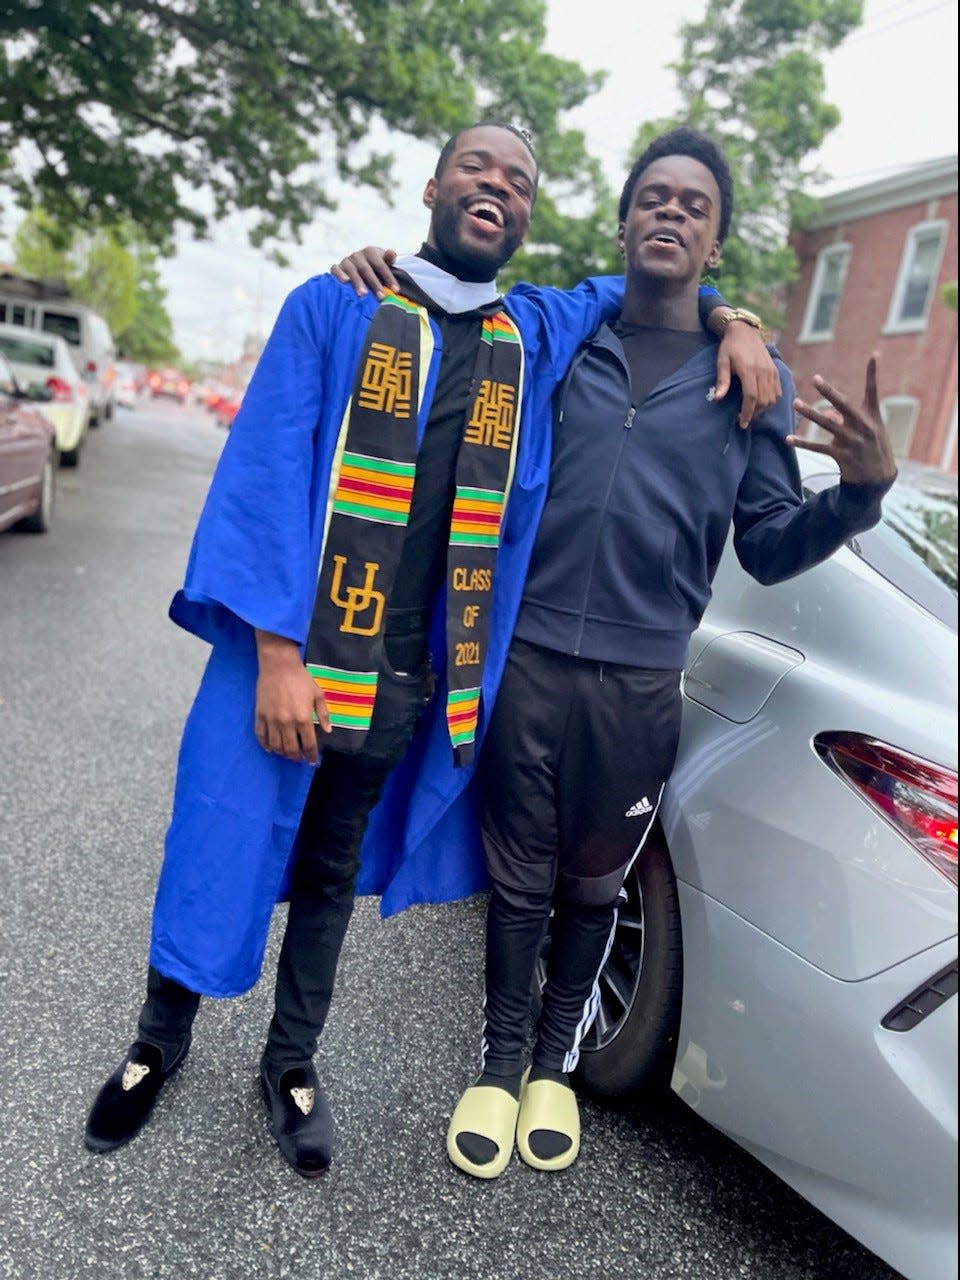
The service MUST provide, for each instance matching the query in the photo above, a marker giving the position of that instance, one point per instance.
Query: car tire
(71, 457)
(630, 1047)
(42, 518)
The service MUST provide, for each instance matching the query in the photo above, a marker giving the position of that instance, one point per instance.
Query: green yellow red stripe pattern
(476, 518)
(376, 489)
(463, 711)
(392, 299)
(350, 695)
(499, 328)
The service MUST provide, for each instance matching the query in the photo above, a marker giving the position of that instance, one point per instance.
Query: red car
(28, 456)
(225, 409)
(169, 383)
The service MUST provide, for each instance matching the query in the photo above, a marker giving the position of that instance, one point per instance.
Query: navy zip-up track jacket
(640, 503)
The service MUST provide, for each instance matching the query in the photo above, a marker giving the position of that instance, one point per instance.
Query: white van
(39, 305)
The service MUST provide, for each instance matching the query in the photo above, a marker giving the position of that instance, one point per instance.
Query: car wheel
(71, 457)
(42, 518)
(631, 1045)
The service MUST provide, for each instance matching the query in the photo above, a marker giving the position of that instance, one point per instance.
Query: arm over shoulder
(554, 322)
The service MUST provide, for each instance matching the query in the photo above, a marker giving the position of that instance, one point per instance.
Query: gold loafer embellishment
(133, 1073)
(303, 1098)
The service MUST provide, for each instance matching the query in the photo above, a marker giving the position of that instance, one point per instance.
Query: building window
(810, 430)
(900, 414)
(919, 268)
(824, 301)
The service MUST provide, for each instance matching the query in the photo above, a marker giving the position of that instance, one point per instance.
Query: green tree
(113, 270)
(148, 339)
(750, 75)
(563, 247)
(96, 268)
(120, 110)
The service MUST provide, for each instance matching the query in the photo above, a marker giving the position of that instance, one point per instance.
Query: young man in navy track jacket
(369, 467)
(650, 470)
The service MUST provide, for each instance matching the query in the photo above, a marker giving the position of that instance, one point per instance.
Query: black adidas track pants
(572, 769)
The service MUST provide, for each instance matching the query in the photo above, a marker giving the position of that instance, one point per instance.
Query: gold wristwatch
(737, 313)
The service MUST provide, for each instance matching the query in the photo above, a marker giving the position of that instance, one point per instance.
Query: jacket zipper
(627, 424)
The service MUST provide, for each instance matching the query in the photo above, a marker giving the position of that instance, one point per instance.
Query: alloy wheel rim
(620, 976)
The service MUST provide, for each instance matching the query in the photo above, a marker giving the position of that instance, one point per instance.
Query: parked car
(37, 305)
(28, 453)
(43, 360)
(131, 383)
(786, 955)
(169, 383)
(227, 406)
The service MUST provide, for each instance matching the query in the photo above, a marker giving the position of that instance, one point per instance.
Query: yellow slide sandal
(489, 1113)
(549, 1108)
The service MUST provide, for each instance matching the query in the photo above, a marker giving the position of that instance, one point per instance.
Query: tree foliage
(148, 339)
(112, 269)
(563, 247)
(750, 75)
(123, 110)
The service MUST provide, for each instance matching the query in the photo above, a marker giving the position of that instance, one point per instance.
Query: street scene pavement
(94, 685)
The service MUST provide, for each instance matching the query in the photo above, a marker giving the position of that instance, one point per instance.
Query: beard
(465, 256)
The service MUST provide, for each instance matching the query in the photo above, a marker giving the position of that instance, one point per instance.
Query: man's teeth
(489, 213)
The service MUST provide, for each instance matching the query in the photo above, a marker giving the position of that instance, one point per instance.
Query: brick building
(872, 269)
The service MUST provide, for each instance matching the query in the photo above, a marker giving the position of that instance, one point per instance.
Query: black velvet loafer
(123, 1105)
(300, 1120)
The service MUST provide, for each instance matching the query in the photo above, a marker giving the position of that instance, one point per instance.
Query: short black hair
(686, 142)
(450, 145)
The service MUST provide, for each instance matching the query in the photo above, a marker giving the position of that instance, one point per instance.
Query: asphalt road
(94, 685)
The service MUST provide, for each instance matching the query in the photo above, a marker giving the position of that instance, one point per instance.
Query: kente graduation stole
(368, 507)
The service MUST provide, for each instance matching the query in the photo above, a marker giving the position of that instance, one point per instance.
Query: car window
(27, 350)
(61, 323)
(100, 335)
(915, 544)
(16, 313)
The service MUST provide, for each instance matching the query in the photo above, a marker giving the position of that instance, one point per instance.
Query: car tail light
(91, 366)
(60, 390)
(154, 379)
(918, 798)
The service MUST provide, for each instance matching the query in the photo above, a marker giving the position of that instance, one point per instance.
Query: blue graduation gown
(254, 564)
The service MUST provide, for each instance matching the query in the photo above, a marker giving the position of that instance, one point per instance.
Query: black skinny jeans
(344, 789)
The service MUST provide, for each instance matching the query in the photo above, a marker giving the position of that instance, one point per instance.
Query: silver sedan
(786, 957)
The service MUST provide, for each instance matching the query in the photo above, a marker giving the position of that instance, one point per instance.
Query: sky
(894, 81)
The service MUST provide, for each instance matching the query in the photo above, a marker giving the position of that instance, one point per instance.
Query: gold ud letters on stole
(358, 599)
